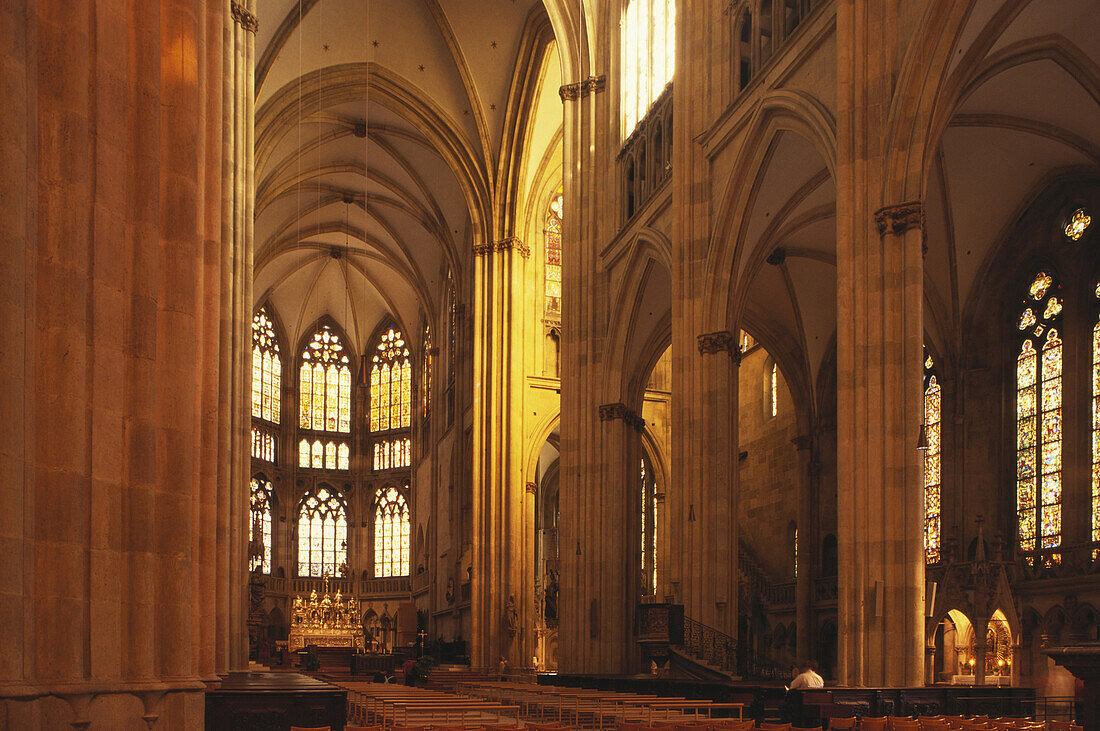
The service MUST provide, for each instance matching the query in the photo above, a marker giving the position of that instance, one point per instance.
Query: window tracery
(553, 256)
(260, 520)
(318, 454)
(932, 461)
(324, 384)
(322, 534)
(266, 368)
(390, 454)
(263, 445)
(391, 533)
(390, 383)
(1039, 420)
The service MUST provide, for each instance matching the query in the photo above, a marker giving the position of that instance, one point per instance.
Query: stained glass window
(648, 528)
(426, 373)
(391, 534)
(321, 455)
(773, 391)
(553, 256)
(263, 445)
(1077, 225)
(390, 383)
(322, 534)
(324, 384)
(795, 543)
(932, 461)
(647, 46)
(1096, 432)
(259, 523)
(266, 368)
(1039, 421)
(392, 454)
(747, 342)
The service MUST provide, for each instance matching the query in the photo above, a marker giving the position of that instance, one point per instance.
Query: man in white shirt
(807, 677)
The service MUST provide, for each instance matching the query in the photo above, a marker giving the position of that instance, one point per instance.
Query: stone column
(595, 547)
(502, 603)
(111, 183)
(707, 507)
(879, 339)
(807, 546)
(238, 205)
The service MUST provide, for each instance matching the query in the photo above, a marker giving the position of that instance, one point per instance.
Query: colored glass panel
(391, 534)
(324, 384)
(266, 369)
(260, 520)
(932, 463)
(322, 534)
(391, 383)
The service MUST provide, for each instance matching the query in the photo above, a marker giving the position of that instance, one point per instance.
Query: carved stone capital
(570, 92)
(900, 218)
(532, 488)
(619, 410)
(719, 342)
(594, 85)
(506, 244)
(581, 89)
(243, 17)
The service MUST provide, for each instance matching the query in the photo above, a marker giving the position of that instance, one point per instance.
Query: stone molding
(506, 244)
(619, 410)
(581, 89)
(718, 342)
(900, 218)
(243, 17)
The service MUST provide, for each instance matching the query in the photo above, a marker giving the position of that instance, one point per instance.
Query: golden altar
(330, 621)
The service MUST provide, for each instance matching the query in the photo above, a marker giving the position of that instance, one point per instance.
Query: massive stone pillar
(599, 442)
(702, 497)
(111, 181)
(235, 333)
(879, 311)
(806, 546)
(502, 601)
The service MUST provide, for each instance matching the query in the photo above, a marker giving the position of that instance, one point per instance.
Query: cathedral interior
(529, 329)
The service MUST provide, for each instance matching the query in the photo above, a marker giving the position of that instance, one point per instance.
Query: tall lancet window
(1095, 503)
(325, 384)
(322, 534)
(553, 257)
(648, 494)
(266, 369)
(324, 393)
(1039, 419)
(647, 46)
(932, 461)
(259, 524)
(391, 533)
(390, 383)
(426, 373)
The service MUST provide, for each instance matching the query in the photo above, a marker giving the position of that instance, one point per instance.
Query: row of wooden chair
(943, 723)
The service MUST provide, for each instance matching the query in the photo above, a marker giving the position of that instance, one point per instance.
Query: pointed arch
(322, 533)
(259, 524)
(391, 532)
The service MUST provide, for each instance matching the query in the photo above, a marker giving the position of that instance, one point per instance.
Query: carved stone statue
(550, 599)
(511, 617)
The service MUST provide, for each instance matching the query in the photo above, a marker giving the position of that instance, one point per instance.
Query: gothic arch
(646, 268)
(779, 111)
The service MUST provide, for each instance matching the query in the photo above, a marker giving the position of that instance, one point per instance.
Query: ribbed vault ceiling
(364, 188)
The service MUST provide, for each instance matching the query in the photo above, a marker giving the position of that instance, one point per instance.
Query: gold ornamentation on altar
(330, 621)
